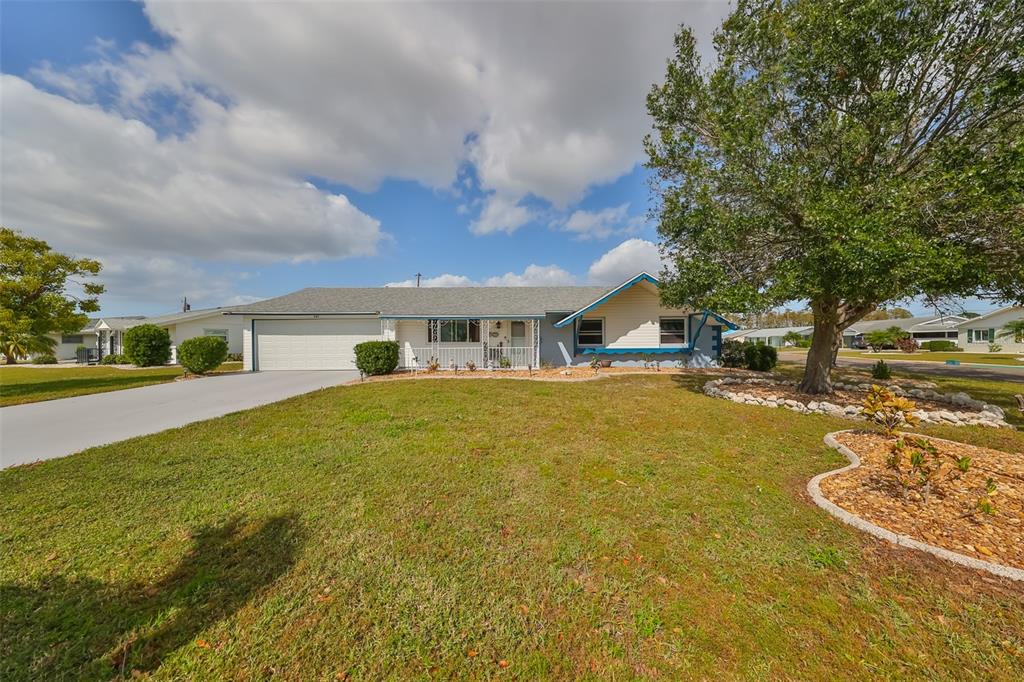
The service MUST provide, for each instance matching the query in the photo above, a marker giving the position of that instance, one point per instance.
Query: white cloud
(501, 215)
(625, 260)
(445, 280)
(532, 276)
(82, 177)
(542, 99)
(161, 282)
(601, 224)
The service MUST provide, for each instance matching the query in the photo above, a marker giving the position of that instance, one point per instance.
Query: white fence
(448, 357)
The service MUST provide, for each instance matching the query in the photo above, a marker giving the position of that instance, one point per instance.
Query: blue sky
(230, 152)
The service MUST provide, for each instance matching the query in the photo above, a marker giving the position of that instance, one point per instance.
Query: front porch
(456, 343)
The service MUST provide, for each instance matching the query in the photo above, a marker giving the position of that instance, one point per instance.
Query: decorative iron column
(485, 338)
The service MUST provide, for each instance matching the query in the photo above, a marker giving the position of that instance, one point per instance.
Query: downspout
(252, 343)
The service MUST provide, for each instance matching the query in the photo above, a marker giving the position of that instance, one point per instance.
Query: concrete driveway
(57, 428)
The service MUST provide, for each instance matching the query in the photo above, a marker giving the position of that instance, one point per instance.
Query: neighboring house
(488, 326)
(771, 336)
(921, 329)
(106, 334)
(101, 334)
(976, 333)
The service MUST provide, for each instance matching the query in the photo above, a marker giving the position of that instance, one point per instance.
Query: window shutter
(991, 335)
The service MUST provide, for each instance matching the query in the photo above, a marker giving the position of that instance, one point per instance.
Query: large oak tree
(849, 154)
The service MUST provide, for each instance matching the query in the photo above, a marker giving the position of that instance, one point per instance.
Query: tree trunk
(10, 360)
(825, 343)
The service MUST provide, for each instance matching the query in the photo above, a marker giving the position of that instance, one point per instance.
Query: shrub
(881, 371)
(906, 344)
(234, 357)
(115, 359)
(45, 359)
(732, 354)
(994, 348)
(888, 409)
(940, 345)
(377, 357)
(760, 357)
(200, 354)
(147, 345)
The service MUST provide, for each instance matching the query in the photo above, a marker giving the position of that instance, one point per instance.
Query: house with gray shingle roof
(489, 327)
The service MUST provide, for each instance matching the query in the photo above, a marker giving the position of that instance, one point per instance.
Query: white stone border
(814, 488)
(987, 415)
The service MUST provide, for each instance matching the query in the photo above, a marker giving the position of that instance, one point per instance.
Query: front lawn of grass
(32, 384)
(615, 529)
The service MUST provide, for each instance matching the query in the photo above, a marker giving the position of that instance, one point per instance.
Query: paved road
(994, 373)
(56, 428)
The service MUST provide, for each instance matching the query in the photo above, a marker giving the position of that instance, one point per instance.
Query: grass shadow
(12, 390)
(66, 627)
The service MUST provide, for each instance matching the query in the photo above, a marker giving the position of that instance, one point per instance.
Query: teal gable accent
(642, 277)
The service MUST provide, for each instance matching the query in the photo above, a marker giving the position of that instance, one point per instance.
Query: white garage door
(312, 344)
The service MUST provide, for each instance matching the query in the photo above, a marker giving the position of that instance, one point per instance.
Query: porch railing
(508, 357)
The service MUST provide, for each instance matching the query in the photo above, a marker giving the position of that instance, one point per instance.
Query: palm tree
(20, 345)
(1014, 328)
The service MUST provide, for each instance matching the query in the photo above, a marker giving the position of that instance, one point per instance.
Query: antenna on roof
(418, 275)
(185, 307)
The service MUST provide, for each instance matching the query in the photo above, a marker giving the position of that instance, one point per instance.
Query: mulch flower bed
(949, 517)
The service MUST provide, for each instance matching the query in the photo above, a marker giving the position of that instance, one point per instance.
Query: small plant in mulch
(595, 364)
(470, 366)
(918, 465)
(889, 410)
(985, 506)
(881, 371)
(433, 364)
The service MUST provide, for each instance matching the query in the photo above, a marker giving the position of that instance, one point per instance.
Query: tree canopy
(34, 300)
(846, 153)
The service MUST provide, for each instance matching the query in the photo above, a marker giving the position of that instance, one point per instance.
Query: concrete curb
(814, 488)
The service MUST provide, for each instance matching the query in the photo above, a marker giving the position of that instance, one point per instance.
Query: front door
(518, 334)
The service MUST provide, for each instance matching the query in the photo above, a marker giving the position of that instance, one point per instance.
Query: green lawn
(930, 356)
(619, 529)
(32, 384)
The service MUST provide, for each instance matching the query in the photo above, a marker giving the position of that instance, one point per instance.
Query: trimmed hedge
(377, 357)
(45, 359)
(941, 345)
(147, 345)
(760, 357)
(200, 354)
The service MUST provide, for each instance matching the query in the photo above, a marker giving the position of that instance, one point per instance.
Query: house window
(977, 335)
(219, 333)
(72, 338)
(673, 331)
(590, 332)
(454, 331)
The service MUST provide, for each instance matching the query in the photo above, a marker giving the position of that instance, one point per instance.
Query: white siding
(410, 334)
(631, 318)
(69, 351)
(996, 322)
(192, 328)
